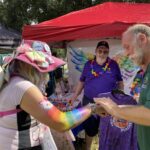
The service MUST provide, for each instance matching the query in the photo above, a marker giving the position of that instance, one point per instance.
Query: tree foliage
(16, 13)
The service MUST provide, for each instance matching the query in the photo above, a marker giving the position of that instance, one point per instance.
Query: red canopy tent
(109, 19)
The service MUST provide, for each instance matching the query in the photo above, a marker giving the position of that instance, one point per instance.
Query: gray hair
(139, 28)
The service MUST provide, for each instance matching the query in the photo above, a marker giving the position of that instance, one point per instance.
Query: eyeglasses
(105, 52)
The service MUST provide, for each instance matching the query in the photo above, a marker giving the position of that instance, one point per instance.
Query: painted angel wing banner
(80, 51)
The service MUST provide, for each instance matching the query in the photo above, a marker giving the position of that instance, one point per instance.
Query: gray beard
(139, 57)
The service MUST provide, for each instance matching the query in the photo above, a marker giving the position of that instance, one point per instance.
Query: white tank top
(19, 130)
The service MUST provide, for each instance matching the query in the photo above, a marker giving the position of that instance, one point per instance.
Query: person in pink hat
(23, 108)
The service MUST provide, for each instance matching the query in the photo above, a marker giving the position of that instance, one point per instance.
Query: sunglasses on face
(105, 52)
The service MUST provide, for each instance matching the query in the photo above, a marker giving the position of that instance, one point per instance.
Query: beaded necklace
(136, 85)
(104, 69)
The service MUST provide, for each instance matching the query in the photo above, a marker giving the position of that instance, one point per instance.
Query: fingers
(97, 100)
(100, 100)
(107, 104)
(104, 114)
(101, 111)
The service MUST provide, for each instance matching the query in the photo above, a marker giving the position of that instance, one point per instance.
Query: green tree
(16, 13)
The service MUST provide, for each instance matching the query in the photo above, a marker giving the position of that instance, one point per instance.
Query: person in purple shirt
(99, 75)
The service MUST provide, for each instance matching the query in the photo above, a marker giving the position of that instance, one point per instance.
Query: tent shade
(109, 19)
(9, 43)
(9, 39)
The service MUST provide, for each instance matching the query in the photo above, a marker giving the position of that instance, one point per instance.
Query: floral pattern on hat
(36, 54)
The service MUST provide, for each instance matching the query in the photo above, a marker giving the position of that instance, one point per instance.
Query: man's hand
(109, 106)
(101, 111)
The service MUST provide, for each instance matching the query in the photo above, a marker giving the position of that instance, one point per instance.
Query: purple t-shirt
(103, 83)
(117, 134)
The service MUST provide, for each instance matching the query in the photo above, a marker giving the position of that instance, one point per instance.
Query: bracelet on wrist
(93, 107)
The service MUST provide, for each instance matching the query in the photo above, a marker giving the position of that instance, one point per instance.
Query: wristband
(93, 107)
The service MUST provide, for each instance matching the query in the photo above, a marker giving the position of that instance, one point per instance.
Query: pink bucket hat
(36, 54)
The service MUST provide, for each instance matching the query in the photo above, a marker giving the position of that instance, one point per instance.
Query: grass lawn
(95, 143)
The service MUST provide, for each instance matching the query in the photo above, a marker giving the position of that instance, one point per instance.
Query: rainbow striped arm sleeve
(70, 118)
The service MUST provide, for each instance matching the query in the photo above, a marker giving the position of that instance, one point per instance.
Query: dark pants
(33, 148)
(91, 125)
